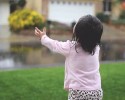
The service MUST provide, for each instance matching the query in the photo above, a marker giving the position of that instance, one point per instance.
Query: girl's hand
(40, 33)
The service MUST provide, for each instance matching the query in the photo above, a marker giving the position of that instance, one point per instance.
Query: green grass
(113, 81)
(47, 83)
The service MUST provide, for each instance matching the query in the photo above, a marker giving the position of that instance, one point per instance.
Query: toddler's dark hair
(88, 31)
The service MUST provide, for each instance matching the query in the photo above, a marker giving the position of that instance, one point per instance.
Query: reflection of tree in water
(105, 48)
(20, 51)
(48, 26)
(33, 54)
(112, 50)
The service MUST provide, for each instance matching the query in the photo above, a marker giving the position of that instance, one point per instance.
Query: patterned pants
(85, 94)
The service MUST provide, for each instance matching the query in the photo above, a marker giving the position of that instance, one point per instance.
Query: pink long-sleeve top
(81, 68)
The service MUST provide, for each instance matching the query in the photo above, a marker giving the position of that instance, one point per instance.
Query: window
(52, 2)
(64, 2)
(80, 3)
(69, 2)
(85, 3)
(58, 2)
(90, 3)
(75, 3)
(107, 5)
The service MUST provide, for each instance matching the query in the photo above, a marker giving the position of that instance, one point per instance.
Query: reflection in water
(32, 53)
(4, 46)
(23, 54)
(7, 63)
(113, 51)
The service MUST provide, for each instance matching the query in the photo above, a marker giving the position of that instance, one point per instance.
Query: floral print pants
(85, 94)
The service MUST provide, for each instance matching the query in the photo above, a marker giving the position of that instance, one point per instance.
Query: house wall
(45, 8)
(34, 5)
(98, 6)
(116, 9)
(4, 12)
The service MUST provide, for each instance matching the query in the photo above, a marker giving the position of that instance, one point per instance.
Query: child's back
(82, 69)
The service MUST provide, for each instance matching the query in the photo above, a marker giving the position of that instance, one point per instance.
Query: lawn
(47, 83)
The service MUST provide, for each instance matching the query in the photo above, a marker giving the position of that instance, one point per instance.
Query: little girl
(82, 76)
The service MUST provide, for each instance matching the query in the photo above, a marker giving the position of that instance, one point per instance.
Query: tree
(16, 4)
(118, 1)
(21, 3)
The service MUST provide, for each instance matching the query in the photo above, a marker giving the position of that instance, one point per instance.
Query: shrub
(119, 22)
(25, 19)
(21, 3)
(16, 4)
(103, 17)
(122, 15)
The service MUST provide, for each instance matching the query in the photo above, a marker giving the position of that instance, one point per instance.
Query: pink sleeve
(56, 46)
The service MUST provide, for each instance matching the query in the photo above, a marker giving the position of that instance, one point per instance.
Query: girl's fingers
(38, 30)
(37, 33)
(44, 29)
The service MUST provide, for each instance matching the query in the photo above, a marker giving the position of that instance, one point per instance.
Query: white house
(4, 12)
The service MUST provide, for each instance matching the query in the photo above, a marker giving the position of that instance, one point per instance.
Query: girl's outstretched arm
(54, 45)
